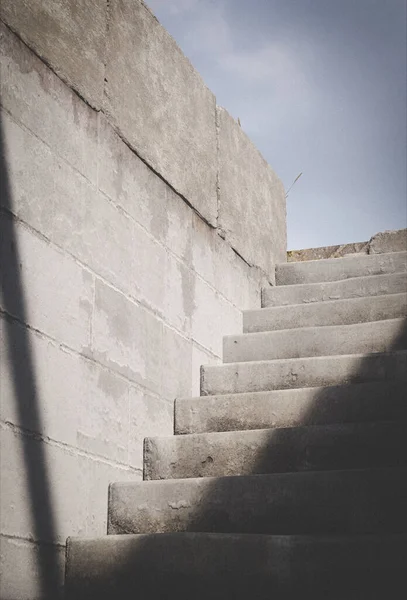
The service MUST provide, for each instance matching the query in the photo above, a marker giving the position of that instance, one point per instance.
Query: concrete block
(69, 37)
(336, 312)
(176, 365)
(147, 414)
(359, 338)
(127, 338)
(364, 402)
(38, 99)
(57, 293)
(60, 395)
(27, 568)
(204, 565)
(66, 493)
(252, 207)
(357, 287)
(279, 450)
(335, 269)
(160, 104)
(388, 241)
(317, 371)
(355, 501)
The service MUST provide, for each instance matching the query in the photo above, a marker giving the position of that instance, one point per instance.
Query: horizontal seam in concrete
(72, 450)
(138, 302)
(31, 541)
(84, 357)
(115, 129)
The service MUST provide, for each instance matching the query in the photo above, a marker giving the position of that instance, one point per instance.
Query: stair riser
(290, 503)
(331, 447)
(381, 401)
(340, 312)
(220, 567)
(380, 336)
(358, 287)
(261, 376)
(335, 269)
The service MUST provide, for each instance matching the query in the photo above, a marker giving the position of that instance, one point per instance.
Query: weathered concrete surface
(356, 287)
(69, 474)
(336, 312)
(335, 269)
(324, 447)
(61, 291)
(161, 105)
(36, 97)
(363, 402)
(70, 37)
(355, 501)
(359, 338)
(317, 371)
(252, 210)
(20, 576)
(388, 241)
(202, 566)
(385, 241)
(324, 252)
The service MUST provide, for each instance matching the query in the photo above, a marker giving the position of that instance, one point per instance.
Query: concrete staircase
(287, 478)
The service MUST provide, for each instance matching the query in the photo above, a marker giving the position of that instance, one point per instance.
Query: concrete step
(336, 312)
(378, 336)
(335, 269)
(202, 566)
(316, 502)
(262, 451)
(362, 402)
(357, 287)
(235, 378)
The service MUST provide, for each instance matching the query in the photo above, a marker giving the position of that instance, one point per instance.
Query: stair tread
(334, 269)
(238, 566)
(358, 501)
(263, 375)
(372, 401)
(330, 340)
(266, 451)
(329, 291)
(336, 312)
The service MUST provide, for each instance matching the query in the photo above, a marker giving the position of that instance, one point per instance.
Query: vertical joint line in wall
(92, 317)
(217, 126)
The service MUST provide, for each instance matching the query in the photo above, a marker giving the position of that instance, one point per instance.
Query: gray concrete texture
(359, 338)
(370, 501)
(117, 291)
(356, 287)
(132, 70)
(383, 242)
(377, 401)
(279, 450)
(204, 565)
(337, 312)
(257, 376)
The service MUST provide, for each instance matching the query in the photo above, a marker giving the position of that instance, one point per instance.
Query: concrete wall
(137, 222)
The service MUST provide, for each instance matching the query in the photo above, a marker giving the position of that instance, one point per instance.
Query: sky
(320, 88)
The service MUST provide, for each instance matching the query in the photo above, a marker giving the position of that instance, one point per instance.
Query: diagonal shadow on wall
(28, 410)
(181, 565)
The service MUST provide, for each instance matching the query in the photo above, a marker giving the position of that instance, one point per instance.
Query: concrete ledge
(263, 451)
(356, 287)
(355, 501)
(377, 401)
(265, 375)
(202, 566)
